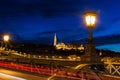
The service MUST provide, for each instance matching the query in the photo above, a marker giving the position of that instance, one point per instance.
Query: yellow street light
(90, 56)
(6, 38)
(90, 20)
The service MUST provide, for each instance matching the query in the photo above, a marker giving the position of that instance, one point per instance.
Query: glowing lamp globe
(6, 38)
(90, 19)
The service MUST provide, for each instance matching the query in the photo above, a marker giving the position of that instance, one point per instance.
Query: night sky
(39, 20)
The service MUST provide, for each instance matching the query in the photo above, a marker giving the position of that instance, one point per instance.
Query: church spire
(100, 54)
(55, 40)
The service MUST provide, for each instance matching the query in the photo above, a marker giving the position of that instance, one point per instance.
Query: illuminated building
(81, 47)
(64, 46)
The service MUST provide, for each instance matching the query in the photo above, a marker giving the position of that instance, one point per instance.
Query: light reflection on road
(5, 74)
(9, 77)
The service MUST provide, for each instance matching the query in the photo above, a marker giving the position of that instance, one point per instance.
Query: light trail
(10, 76)
(50, 78)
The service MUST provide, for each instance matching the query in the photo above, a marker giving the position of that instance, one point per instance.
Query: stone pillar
(90, 55)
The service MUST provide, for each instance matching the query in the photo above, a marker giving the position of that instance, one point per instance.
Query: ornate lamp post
(90, 19)
(90, 55)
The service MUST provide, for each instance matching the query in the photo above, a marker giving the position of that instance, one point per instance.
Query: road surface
(7, 74)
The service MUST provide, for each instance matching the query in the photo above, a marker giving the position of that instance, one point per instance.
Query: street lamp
(90, 21)
(90, 55)
(6, 39)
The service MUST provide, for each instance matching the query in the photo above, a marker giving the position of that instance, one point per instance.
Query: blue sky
(39, 20)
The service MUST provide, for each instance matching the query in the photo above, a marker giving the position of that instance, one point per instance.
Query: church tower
(55, 40)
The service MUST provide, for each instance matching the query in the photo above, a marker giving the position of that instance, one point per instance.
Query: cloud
(101, 40)
(116, 19)
(45, 8)
(52, 32)
(99, 29)
(110, 39)
(53, 8)
(43, 40)
(76, 36)
(112, 47)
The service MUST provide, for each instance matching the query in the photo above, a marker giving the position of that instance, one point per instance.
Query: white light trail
(10, 76)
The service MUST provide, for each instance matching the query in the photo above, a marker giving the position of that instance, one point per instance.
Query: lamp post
(90, 20)
(6, 39)
(90, 59)
(90, 55)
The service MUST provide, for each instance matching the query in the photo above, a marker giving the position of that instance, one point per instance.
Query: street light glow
(90, 19)
(6, 37)
(93, 20)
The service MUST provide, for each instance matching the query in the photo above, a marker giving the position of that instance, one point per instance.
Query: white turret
(100, 54)
(55, 40)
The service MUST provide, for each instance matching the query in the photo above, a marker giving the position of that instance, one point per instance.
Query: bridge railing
(52, 71)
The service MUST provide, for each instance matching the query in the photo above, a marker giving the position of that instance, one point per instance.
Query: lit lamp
(90, 20)
(6, 39)
(90, 55)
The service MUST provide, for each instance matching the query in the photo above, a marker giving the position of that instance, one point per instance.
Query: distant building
(81, 47)
(64, 46)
